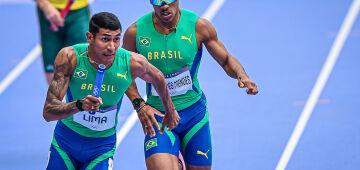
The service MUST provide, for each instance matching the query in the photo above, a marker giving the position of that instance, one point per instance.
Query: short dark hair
(103, 20)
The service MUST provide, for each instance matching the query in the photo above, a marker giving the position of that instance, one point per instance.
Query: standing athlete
(70, 30)
(171, 39)
(88, 141)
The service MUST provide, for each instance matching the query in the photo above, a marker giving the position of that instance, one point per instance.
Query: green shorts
(74, 32)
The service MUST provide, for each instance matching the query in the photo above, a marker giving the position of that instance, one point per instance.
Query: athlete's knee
(162, 161)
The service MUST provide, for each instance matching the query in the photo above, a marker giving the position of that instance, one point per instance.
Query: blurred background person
(66, 31)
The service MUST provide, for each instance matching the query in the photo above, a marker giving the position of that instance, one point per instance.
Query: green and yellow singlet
(116, 80)
(176, 55)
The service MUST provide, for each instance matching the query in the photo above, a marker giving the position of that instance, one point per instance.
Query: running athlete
(71, 29)
(171, 39)
(88, 141)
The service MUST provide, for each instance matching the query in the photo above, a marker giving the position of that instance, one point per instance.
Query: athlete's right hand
(147, 118)
(91, 103)
(251, 86)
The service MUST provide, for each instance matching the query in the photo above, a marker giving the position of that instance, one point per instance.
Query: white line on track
(213, 9)
(24, 63)
(34, 53)
(320, 83)
(130, 122)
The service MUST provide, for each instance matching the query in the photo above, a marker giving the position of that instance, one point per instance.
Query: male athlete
(171, 39)
(88, 141)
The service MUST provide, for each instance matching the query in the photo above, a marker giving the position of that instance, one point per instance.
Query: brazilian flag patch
(151, 143)
(81, 74)
(144, 41)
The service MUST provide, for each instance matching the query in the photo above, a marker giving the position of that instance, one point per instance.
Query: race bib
(178, 82)
(102, 120)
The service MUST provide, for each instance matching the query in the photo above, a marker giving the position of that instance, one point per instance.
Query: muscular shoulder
(138, 65)
(205, 31)
(131, 31)
(129, 40)
(65, 61)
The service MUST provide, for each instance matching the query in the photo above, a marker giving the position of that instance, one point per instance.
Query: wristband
(78, 105)
(137, 110)
(137, 101)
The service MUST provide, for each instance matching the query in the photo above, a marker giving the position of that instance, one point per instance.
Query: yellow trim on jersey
(60, 4)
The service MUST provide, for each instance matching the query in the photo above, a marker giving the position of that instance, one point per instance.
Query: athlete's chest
(115, 82)
(168, 52)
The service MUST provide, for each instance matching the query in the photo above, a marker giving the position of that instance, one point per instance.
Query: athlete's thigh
(196, 144)
(59, 159)
(100, 152)
(168, 142)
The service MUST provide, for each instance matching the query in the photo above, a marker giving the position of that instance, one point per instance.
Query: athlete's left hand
(251, 86)
(147, 118)
(171, 120)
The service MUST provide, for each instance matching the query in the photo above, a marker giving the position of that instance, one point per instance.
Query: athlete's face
(105, 44)
(167, 12)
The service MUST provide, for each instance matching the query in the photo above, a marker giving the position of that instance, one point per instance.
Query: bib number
(100, 121)
(178, 82)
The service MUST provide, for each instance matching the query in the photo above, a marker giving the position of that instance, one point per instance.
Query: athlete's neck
(96, 60)
(166, 27)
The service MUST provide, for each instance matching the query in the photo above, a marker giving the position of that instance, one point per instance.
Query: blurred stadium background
(283, 45)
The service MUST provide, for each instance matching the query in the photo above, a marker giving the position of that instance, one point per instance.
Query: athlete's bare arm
(146, 114)
(129, 43)
(54, 108)
(206, 33)
(140, 67)
(129, 39)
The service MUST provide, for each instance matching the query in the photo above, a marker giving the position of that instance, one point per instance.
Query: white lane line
(320, 83)
(130, 122)
(29, 59)
(20, 68)
(213, 9)
(126, 128)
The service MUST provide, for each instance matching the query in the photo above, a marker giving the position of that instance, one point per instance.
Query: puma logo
(202, 153)
(186, 38)
(122, 75)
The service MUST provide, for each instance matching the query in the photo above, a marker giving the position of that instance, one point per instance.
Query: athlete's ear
(89, 36)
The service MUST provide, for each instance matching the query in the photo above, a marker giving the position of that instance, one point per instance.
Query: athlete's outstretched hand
(171, 120)
(251, 86)
(147, 119)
